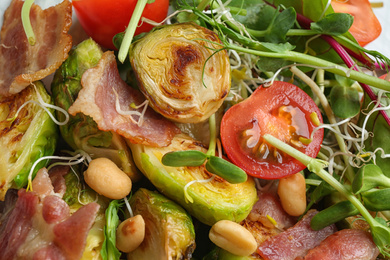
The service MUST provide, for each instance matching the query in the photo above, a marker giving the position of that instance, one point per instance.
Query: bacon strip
(21, 63)
(295, 241)
(97, 99)
(346, 244)
(269, 204)
(40, 225)
(14, 230)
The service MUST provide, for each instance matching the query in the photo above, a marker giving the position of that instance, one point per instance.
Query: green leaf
(184, 158)
(309, 8)
(271, 64)
(283, 22)
(344, 101)
(381, 235)
(319, 192)
(226, 170)
(381, 133)
(377, 199)
(258, 15)
(278, 47)
(333, 214)
(333, 24)
(368, 177)
(109, 250)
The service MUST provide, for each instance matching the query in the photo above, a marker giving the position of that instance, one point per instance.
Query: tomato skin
(366, 27)
(103, 19)
(256, 115)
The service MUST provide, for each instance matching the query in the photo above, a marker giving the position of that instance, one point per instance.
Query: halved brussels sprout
(212, 201)
(24, 137)
(182, 71)
(81, 132)
(169, 230)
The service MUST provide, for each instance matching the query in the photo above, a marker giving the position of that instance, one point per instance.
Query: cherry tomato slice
(103, 19)
(282, 110)
(366, 27)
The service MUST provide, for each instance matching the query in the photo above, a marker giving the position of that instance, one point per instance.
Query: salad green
(302, 42)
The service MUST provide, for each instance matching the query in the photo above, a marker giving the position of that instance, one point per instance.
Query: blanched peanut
(130, 234)
(292, 194)
(233, 237)
(104, 177)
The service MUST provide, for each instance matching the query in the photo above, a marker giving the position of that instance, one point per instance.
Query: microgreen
(376, 199)
(246, 44)
(109, 250)
(320, 191)
(214, 164)
(333, 24)
(79, 157)
(130, 30)
(345, 101)
(282, 22)
(26, 21)
(380, 232)
(45, 106)
(369, 177)
(333, 214)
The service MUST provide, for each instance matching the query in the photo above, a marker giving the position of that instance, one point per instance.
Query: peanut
(292, 194)
(233, 237)
(130, 234)
(104, 177)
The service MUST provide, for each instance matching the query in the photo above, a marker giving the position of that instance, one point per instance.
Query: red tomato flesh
(366, 26)
(282, 110)
(103, 19)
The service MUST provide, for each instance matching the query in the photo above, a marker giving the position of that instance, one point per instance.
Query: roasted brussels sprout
(25, 136)
(182, 71)
(169, 230)
(208, 201)
(81, 132)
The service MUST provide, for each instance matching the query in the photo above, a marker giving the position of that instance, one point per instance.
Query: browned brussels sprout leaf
(169, 230)
(182, 70)
(25, 136)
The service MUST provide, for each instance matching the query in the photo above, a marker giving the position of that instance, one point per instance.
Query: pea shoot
(214, 164)
(379, 228)
(26, 21)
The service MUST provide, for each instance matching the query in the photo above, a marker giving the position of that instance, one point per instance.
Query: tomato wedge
(103, 19)
(366, 27)
(282, 110)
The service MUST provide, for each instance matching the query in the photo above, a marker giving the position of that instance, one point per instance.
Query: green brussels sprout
(81, 132)
(208, 201)
(182, 70)
(169, 230)
(25, 136)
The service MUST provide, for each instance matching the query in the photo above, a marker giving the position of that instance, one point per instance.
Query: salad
(193, 130)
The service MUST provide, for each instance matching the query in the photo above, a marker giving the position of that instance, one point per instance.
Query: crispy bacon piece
(346, 244)
(40, 226)
(21, 63)
(259, 223)
(295, 241)
(269, 204)
(98, 98)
